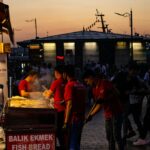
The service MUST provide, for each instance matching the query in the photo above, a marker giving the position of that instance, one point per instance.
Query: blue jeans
(75, 135)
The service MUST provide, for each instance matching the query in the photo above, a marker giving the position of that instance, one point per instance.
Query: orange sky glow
(63, 16)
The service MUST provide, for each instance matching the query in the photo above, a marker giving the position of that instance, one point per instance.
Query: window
(121, 45)
(50, 52)
(91, 52)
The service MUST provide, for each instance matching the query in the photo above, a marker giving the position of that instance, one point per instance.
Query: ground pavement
(93, 137)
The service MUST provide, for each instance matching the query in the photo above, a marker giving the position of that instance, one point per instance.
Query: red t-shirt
(58, 89)
(68, 95)
(76, 92)
(24, 85)
(111, 103)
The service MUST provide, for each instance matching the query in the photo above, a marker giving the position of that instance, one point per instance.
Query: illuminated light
(138, 51)
(70, 45)
(137, 46)
(90, 45)
(121, 45)
(34, 46)
(49, 46)
(5, 48)
(69, 52)
(1, 47)
(60, 57)
(22, 65)
(90, 52)
(50, 52)
(3, 21)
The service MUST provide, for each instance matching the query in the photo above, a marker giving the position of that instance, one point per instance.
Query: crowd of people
(119, 94)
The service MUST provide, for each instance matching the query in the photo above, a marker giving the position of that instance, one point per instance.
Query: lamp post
(35, 26)
(130, 15)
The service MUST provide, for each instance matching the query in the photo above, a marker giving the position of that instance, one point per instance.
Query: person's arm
(23, 88)
(68, 111)
(47, 93)
(23, 93)
(96, 110)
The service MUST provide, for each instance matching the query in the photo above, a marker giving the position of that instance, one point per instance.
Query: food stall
(29, 124)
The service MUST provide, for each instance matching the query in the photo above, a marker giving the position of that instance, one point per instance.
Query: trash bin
(30, 128)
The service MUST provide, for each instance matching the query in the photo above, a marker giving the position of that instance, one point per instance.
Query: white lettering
(10, 139)
(19, 147)
(18, 138)
(43, 137)
(39, 146)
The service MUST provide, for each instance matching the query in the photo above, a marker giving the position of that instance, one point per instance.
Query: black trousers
(146, 121)
(113, 132)
(59, 132)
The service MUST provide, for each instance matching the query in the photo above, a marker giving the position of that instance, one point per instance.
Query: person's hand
(88, 118)
(46, 94)
(65, 127)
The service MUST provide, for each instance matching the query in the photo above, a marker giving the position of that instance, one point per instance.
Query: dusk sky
(63, 16)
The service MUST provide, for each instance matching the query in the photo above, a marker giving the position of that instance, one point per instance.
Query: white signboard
(3, 77)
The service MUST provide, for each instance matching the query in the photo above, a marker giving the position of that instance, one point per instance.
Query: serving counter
(30, 125)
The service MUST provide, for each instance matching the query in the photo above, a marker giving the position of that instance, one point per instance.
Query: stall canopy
(5, 24)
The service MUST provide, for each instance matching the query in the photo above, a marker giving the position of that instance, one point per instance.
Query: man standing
(106, 97)
(131, 88)
(75, 95)
(57, 90)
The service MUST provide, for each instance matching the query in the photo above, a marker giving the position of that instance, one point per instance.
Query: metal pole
(35, 29)
(130, 15)
(10, 87)
(131, 26)
(14, 37)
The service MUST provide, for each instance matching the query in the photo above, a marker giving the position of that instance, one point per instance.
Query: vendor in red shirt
(24, 86)
(75, 95)
(57, 91)
(106, 97)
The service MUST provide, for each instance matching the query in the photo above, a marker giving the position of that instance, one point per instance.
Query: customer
(146, 122)
(106, 97)
(75, 95)
(146, 127)
(127, 82)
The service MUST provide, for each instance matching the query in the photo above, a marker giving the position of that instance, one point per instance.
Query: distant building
(80, 47)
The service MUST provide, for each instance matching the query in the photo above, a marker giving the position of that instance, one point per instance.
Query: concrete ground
(93, 136)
